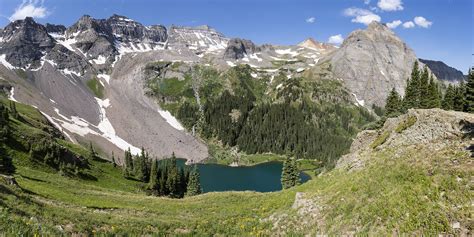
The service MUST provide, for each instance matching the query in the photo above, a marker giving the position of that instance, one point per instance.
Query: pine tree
(470, 92)
(6, 164)
(433, 94)
(393, 104)
(127, 164)
(289, 174)
(412, 92)
(424, 98)
(194, 183)
(448, 100)
(154, 184)
(459, 97)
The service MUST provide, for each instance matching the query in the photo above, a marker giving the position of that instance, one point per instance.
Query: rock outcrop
(238, 48)
(433, 129)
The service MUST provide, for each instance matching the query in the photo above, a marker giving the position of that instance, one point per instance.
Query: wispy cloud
(394, 24)
(422, 22)
(390, 5)
(408, 25)
(311, 19)
(360, 15)
(32, 8)
(336, 39)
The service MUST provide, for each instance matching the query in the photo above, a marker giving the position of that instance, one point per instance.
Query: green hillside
(415, 190)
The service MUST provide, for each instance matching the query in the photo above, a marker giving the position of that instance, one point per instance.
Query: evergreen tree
(194, 183)
(6, 163)
(4, 130)
(470, 93)
(448, 100)
(412, 92)
(459, 100)
(393, 104)
(289, 174)
(424, 89)
(140, 165)
(154, 184)
(433, 94)
(127, 163)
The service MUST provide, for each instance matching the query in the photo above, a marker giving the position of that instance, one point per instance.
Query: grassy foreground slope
(393, 188)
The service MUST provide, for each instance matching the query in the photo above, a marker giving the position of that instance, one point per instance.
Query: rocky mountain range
(51, 67)
(444, 72)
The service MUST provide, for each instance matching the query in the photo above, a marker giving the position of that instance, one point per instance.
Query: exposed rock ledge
(433, 128)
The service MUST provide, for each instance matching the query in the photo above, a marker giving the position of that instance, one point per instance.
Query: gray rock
(444, 72)
(371, 62)
(59, 29)
(238, 48)
(25, 42)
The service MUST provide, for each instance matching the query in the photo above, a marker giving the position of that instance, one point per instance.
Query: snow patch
(300, 69)
(231, 63)
(286, 51)
(66, 71)
(358, 102)
(99, 60)
(12, 93)
(170, 119)
(6, 63)
(279, 85)
(254, 75)
(105, 77)
(255, 56)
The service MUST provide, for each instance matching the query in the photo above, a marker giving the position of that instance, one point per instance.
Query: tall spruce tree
(289, 174)
(194, 183)
(470, 92)
(459, 100)
(433, 94)
(448, 100)
(412, 92)
(154, 172)
(424, 89)
(393, 105)
(128, 163)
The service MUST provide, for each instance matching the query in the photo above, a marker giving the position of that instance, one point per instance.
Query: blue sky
(444, 31)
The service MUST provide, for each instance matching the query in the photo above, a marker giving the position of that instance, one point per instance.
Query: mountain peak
(314, 44)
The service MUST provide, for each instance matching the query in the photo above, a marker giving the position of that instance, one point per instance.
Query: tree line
(162, 177)
(422, 92)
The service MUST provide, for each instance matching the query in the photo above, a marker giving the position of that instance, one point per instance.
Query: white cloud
(366, 2)
(408, 25)
(390, 5)
(33, 8)
(422, 22)
(363, 16)
(336, 39)
(394, 24)
(311, 20)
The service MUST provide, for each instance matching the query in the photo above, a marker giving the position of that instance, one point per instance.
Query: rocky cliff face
(373, 61)
(24, 43)
(238, 48)
(444, 72)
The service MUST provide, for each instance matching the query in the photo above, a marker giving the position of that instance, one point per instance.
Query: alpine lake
(264, 177)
